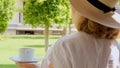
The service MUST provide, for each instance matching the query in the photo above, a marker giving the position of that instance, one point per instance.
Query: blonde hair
(97, 30)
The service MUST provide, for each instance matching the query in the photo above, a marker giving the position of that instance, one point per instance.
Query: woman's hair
(95, 29)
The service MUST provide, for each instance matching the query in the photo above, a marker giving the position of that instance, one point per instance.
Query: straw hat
(104, 12)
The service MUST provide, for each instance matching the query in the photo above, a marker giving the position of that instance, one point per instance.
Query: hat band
(101, 6)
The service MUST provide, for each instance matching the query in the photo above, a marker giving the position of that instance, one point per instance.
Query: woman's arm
(51, 66)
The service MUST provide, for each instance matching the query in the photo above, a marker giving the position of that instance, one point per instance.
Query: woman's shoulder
(76, 38)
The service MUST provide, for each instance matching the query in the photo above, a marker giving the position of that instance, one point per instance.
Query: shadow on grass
(8, 66)
(32, 37)
(54, 37)
(36, 46)
(26, 37)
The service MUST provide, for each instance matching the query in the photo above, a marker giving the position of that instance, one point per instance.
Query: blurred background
(36, 24)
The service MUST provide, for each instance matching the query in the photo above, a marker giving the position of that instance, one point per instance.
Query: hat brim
(110, 19)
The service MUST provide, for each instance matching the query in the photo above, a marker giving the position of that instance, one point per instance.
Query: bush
(3, 26)
(7, 11)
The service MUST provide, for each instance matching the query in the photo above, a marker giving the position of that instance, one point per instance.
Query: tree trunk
(69, 30)
(66, 29)
(46, 37)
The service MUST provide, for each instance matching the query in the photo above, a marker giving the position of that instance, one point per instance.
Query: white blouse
(81, 50)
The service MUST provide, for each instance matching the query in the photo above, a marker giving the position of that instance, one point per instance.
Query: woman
(94, 45)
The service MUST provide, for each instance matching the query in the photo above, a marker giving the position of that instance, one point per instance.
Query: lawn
(11, 44)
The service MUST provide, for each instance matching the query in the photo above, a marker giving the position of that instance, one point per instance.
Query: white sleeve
(118, 46)
(58, 56)
(114, 56)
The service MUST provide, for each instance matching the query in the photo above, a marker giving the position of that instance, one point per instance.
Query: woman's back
(80, 50)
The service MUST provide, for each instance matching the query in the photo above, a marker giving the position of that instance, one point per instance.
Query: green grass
(11, 44)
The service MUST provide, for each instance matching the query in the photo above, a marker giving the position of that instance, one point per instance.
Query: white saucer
(17, 59)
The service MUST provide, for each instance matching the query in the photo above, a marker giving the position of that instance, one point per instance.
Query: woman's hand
(27, 65)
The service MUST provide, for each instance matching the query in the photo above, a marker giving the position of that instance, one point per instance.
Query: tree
(45, 13)
(119, 2)
(7, 9)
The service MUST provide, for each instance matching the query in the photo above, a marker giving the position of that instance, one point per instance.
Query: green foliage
(7, 10)
(3, 26)
(46, 12)
(119, 2)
